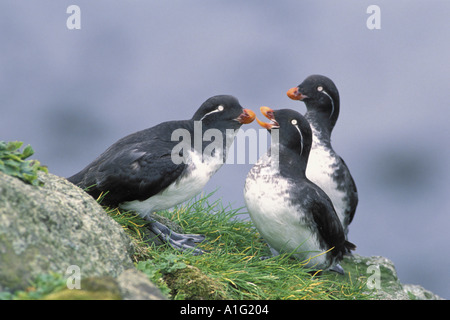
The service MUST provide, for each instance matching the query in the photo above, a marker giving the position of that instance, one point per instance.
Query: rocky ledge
(57, 228)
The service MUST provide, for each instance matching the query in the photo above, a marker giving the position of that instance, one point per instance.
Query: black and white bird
(291, 213)
(325, 167)
(165, 165)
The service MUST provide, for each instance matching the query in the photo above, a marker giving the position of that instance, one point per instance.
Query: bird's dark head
(223, 112)
(294, 131)
(320, 94)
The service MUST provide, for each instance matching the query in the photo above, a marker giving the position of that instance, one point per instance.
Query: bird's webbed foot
(182, 242)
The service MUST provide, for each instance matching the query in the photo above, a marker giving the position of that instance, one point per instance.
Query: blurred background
(133, 64)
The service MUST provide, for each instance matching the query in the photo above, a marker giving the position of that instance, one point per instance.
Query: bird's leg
(337, 268)
(182, 242)
(196, 238)
(273, 251)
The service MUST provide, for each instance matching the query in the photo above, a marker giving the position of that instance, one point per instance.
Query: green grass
(232, 267)
(40, 287)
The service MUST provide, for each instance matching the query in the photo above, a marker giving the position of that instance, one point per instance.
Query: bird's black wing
(320, 210)
(134, 168)
(351, 191)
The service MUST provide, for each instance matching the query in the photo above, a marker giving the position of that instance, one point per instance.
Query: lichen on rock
(51, 227)
(381, 279)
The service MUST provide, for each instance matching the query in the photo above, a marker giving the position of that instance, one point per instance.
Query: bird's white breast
(322, 162)
(281, 224)
(198, 173)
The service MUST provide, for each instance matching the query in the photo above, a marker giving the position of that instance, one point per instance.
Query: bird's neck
(287, 159)
(321, 126)
(212, 143)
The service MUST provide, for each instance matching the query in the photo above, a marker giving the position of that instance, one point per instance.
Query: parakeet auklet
(325, 167)
(291, 213)
(165, 165)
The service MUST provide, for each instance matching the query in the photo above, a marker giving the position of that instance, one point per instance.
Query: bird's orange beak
(247, 116)
(268, 113)
(294, 94)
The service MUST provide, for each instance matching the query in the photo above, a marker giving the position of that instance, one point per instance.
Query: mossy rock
(191, 283)
(67, 294)
(101, 288)
(381, 280)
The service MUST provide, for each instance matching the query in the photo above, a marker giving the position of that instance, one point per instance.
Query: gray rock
(381, 279)
(134, 285)
(130, 285)
(49, 228)
(416, 292)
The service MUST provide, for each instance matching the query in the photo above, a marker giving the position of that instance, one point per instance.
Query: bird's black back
(135, 167)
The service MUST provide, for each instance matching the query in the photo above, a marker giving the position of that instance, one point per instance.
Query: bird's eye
(220, 108)
(294, 122)
(319, 88)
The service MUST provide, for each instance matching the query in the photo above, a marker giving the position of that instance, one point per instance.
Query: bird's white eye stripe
(320, 89)
(219, 108)
(332, 103)
(301, 135)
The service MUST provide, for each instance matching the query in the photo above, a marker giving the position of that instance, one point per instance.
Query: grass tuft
(233, 266)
